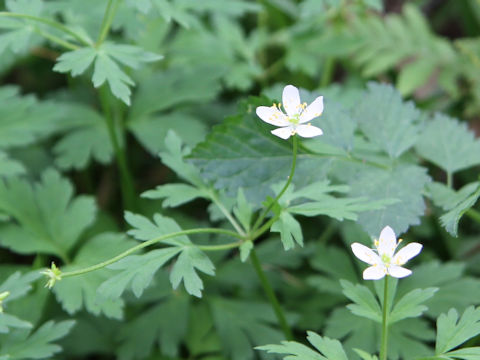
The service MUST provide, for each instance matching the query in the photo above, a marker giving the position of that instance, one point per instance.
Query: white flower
(296, 115)
(383, 259)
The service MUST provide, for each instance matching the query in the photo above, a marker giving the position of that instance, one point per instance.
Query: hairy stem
(383, 346)
(157, 240)
(289, 181)
(271, 295)
(126, 180)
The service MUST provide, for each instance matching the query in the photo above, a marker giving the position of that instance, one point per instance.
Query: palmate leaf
(18, 35)
(86, 139)
(24, 119)
(49, 219)
(23, 344)
(138, 270)
(106, 59)
(242, 153)
(165, 323)
(328, 349)
(387, 121)
(448, 144)
(455, 202)
(241, 325)
(81, 293)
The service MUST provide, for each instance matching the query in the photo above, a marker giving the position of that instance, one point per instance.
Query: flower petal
(406, 253)
(398, 271)
(272, 115)
(312, 111)
(387, 243)
(291, 100)
(365, 254)
(308, 131)
(374, 272)
(283, 132)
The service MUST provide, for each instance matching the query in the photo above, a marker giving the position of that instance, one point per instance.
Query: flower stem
(226, 213)
(290, 177)
(327, 74)
(383, 346)
(157, 240)
(126, 180)
(107, 21)
(271, 295)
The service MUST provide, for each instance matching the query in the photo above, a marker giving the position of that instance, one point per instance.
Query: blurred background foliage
(216, 53)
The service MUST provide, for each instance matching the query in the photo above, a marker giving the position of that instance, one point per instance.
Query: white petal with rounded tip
(406, 253)
(272, 115)
(387, 243)
(284, 132)
(312, 111)
(374, 273)
(291, 100)
(308, 131)
(365, 254)
(398, 271)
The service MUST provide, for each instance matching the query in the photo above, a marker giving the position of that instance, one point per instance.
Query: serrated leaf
(8, 321)
(81, 293)
(452, 331)
(242, 325)
(448, 144)
(411, 305)
(243, 210)
(136, 272)
(289, 229)
(191, 260)
(414, 75)
(24, 119)
(106, 59)
(329, 348)
(387, 121)
(404, 183)
(164, 323)
(50, 220)
(86, 139)
(175, 194)
(365, 303)
(35, 345)
(241, 153)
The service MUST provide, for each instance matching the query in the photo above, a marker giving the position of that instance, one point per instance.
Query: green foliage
(328, 349)
(49, 219)
(448, 144)
(34, 345)
(106, 59)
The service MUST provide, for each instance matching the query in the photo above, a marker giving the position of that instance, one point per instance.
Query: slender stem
(383, 346)
(56, 39)
(227, 214)
(473, 214)
(157, 240)
(327, 72)
(290, 177)
(107, 21)
(126, 181)
(271, 295)
(51, 23)
(449, 179)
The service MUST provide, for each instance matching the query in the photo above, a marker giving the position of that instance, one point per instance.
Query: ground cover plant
(233, 179)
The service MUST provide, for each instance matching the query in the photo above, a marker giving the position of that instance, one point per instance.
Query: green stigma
(386, 259)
